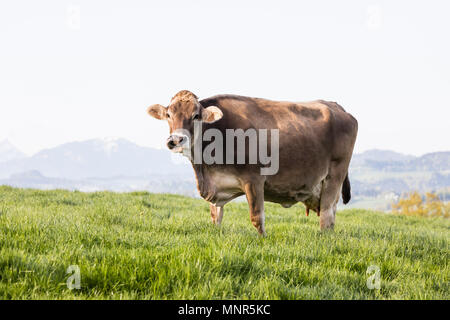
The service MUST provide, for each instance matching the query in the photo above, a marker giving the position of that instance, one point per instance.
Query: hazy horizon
(78, 70)
(106, 139)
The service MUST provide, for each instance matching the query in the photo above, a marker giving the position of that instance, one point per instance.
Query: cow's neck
(202, 181)
(198, 169)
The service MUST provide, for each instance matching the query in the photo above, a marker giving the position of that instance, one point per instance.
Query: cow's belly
(297, 188)
(286, 188)
(226, 187)
(290, 196)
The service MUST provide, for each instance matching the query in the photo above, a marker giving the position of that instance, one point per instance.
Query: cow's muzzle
(175, 142)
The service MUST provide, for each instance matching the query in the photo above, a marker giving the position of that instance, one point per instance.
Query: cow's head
(183, 110)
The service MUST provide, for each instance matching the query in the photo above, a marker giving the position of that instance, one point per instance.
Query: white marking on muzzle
(185, 146)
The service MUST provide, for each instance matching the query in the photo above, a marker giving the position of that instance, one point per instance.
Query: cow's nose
(171, 143)
(174, 141)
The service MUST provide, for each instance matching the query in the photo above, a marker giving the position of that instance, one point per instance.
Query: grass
(158, 246)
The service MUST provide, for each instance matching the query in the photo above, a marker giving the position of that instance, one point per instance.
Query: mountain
(436, 161)
(386, 160)
(8, 152)
(381, 176)
(377, 155)
(100, 158)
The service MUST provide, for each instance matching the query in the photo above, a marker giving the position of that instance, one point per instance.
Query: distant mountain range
(99, 158)
(376, 171)
(377, 176)
(392, 161)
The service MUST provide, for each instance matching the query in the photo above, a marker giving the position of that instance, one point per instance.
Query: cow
(315, 146)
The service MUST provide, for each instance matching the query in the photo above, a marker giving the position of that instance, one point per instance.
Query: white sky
(74, 70)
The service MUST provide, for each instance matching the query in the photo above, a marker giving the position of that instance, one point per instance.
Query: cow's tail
(346, 191)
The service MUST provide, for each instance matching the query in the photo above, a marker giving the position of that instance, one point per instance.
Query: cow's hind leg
(254, 191)
(329, 197)
(216, 213)
(327, 218)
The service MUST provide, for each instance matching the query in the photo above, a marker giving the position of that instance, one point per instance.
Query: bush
(416, 205)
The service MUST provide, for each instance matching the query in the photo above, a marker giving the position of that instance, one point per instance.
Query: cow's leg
(327, 217)
(216, 213)
(329, 197)
(254, 191)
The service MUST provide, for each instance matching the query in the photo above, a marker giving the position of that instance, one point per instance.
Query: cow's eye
(168, 116)
(195, 117)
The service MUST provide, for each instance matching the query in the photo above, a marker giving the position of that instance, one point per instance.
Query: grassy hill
(152, 246)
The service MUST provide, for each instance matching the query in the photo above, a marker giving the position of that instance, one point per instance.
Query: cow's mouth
(177, 149)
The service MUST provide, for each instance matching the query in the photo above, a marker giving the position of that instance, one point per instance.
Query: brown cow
(315, 146)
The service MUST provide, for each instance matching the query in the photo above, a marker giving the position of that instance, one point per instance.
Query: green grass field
(152, 246)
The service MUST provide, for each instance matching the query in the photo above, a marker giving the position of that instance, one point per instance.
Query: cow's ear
(211, 114)
(157, 111)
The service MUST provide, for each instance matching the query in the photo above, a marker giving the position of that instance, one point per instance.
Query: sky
(77, 70)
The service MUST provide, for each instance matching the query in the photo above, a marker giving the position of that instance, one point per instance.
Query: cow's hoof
(327, 228)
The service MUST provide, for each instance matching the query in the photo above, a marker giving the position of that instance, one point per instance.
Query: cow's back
(305, 126)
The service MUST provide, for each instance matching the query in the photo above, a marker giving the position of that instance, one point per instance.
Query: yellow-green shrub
(413, 204)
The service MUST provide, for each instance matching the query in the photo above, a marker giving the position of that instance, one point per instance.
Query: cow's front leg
(255, 197)
(216, 213)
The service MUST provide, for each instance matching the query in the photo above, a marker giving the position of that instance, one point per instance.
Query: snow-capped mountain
(100, 158)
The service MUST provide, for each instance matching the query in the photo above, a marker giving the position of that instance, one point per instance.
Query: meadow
(159, 246)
